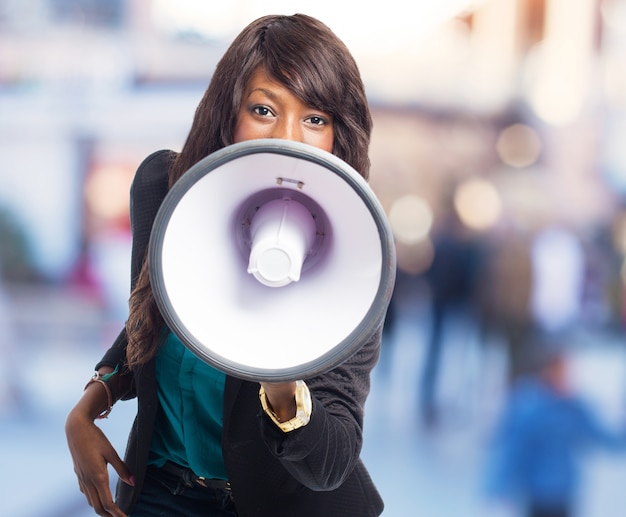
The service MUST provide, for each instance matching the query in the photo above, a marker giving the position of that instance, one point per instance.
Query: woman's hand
(281, 396)
(92, 451)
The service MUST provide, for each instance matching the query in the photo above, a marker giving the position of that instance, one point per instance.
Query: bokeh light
(518, 145)
(411, 218)
(106, 192)
(478, 204)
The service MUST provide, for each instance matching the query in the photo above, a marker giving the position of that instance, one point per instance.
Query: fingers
(279, 389)
(122, 470)
(104, 492)
(97, 492)
(100, 499)
(109, 508)
(96, 485)
(92, 453)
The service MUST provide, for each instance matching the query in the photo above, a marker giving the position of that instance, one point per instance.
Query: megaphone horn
(272, 260)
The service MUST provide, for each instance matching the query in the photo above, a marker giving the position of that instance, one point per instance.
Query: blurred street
(497, 154)
(431, 472)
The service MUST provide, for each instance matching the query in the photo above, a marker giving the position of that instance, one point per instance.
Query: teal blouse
(188, 429)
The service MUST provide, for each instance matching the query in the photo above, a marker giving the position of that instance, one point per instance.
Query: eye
(317, 120)
(262, 111)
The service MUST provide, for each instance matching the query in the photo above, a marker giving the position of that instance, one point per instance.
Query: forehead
(272, 86)
(260, 78)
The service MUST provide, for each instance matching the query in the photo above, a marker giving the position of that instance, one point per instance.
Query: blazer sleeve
(322, 454)
(148, 189)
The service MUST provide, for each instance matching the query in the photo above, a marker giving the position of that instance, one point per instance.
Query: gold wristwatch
(304, 406)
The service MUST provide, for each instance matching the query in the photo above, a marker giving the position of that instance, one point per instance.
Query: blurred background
(497, 153)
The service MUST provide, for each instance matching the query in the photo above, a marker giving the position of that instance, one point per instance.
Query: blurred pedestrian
(540, 439)
(452, 280)
(505, 298)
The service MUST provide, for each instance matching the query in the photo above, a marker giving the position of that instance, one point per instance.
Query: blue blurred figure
(539, 441)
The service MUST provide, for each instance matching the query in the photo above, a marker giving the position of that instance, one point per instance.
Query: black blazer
(314, 471)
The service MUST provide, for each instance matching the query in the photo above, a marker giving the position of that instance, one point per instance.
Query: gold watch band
(304, 406)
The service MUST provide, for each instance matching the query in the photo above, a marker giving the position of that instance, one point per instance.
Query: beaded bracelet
(107, 411)
(104, 379)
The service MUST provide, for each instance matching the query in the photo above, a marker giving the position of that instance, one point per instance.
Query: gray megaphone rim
(340, 352)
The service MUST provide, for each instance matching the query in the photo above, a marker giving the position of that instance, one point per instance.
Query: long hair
(306, 57)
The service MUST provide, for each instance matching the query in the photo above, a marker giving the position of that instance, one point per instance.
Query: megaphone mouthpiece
(283, 232)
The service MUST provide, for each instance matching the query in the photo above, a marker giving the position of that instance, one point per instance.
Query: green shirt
(188, 429)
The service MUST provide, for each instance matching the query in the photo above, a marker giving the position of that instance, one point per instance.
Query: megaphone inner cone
(283, 232)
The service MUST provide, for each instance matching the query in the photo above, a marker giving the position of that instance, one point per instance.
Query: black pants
(166, 495)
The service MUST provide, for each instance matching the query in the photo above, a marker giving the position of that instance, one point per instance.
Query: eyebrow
(265, 91)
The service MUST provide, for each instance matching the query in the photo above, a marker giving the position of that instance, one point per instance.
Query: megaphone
(272, 260)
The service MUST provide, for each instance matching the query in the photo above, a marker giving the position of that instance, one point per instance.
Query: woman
(235, 448)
